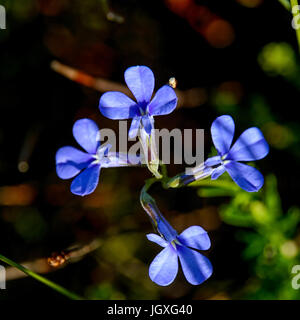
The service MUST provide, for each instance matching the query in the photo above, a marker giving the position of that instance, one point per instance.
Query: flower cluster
(85, 168)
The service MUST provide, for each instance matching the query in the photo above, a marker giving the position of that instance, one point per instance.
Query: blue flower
(196, 267)
(140, 81)
(71, 162)
(250, 146)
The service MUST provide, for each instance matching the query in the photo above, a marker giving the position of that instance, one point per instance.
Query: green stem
(45, 281)
(294, 4)
(223, 184)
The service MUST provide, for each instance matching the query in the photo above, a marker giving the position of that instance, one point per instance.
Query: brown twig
(190, 98)
(55, 261)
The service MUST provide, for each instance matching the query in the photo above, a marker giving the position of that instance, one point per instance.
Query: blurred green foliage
(269, 235)
(279, 59)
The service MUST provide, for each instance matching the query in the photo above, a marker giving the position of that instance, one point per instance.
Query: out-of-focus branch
(190, 98)
(40, 278)
(99, 84)
(56, 261)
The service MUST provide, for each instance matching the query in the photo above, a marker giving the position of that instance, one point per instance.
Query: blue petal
(70, 161)
(248, 178)
(164, 267)
(164, 101)
(217, 172)
(157, 239)
(87, 181)
(147, 124)
(195, 237)
(222, 132)
(140, 81)
(86, 133)
(195, 266)
(213, 161)
(116, 105)
(134, 128)
(251, 145)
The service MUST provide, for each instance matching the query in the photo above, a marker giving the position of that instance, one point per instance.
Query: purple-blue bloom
(250, 146)
(140, 81)
(196, 267)
(163, 269)
(71, 162)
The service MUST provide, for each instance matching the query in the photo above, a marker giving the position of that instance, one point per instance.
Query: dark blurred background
(237, 57)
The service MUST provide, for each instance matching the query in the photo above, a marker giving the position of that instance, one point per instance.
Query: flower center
(142, 111)
(223, 159)
(101, 156)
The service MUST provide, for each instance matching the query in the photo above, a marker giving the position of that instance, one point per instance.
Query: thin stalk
(159, 222)
(40, 278)
(223, 184)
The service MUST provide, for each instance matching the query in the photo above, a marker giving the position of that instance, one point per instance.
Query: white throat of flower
(223, 159)
(101, 156)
